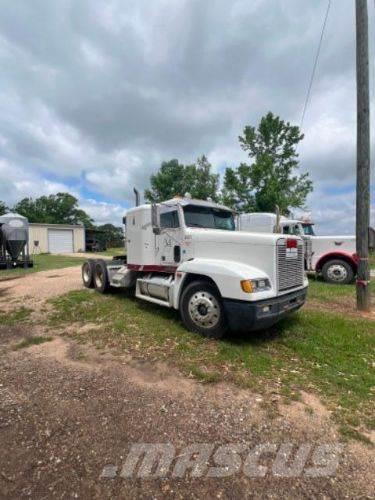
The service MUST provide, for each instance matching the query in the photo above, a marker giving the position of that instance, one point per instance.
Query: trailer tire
(338, 271)
(88, 273)
(202, 311)
(101, 281)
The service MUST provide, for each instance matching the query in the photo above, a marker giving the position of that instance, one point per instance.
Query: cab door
(170, 237)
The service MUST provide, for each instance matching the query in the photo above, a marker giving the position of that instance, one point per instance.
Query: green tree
(3, 208)
(272, 178)
(204, 184)
(174, 178)
(60, 208)
(238, 190)
(113, 236)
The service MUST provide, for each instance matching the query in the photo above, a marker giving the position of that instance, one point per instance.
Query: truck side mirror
(155, 220)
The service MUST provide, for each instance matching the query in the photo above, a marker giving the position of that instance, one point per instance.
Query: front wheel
(338, 271)
(202, 311)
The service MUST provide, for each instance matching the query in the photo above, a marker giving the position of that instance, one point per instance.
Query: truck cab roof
(193, 201)
(184, 202)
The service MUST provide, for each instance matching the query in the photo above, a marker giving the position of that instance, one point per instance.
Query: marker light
(247, 286)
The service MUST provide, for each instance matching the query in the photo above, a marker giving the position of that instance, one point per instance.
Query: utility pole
(363, 157)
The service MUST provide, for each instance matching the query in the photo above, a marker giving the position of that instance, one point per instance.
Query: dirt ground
(67, 412)
(32, 290)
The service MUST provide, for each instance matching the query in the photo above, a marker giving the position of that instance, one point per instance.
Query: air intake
(290, 265)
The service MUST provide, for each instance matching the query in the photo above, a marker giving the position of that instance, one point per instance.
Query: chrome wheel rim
(337, 272)
(86, 275)
(204, 309)
(99, 277)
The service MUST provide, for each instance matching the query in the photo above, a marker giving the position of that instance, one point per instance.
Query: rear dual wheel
(88, 273)
(101, 280)
(95, 275)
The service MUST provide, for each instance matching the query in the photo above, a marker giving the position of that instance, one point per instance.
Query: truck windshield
(208, 217)
(308, 229)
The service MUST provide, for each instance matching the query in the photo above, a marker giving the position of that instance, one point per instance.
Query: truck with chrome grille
(187, 254)
(332, 257)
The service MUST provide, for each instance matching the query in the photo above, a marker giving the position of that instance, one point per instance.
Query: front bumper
(250, 316)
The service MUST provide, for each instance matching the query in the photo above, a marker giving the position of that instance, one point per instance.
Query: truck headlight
(256, 285)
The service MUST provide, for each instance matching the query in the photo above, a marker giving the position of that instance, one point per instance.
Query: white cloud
(93, 55)
(17, 183)
(103, 212)
(96, 95)
(334, 214)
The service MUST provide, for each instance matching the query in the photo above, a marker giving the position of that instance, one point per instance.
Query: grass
(320, 352)
(112, 252)
(372, 260)
(14, 317)
(331, 293)
(30, 341)
(43, 262)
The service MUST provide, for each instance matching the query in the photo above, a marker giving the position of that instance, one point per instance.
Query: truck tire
(101, 281)
(338, 271)
(202, 311)
(88, 273)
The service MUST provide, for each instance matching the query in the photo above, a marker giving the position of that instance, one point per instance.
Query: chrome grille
(290, 270)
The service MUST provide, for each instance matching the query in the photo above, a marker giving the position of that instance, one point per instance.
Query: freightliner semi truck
(188, 255)
(332, 257)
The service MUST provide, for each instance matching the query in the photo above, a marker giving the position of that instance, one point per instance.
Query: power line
(315, 63)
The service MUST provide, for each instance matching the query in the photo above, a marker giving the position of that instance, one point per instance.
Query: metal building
(56, 238)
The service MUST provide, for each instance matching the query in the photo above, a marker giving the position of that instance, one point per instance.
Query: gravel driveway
(32, 290)
(69, 416)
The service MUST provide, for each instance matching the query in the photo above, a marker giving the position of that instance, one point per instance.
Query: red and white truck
(187, 254)
(334, 257)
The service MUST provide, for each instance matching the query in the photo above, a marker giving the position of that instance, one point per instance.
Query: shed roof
(57, 226)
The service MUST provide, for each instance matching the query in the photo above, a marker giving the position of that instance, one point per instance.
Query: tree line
(271, 178)
(63, 208)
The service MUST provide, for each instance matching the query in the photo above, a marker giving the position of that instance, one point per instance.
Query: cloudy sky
(95, 94)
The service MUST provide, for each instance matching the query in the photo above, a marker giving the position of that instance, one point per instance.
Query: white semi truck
(334, 257)
(186, 254)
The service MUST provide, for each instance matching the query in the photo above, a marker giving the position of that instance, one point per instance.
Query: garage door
(60, 240)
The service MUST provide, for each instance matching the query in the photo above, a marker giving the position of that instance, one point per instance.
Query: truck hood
(234, 237)
(257, 251)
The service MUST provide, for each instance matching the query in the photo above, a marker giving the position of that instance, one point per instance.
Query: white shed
(56, 238)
